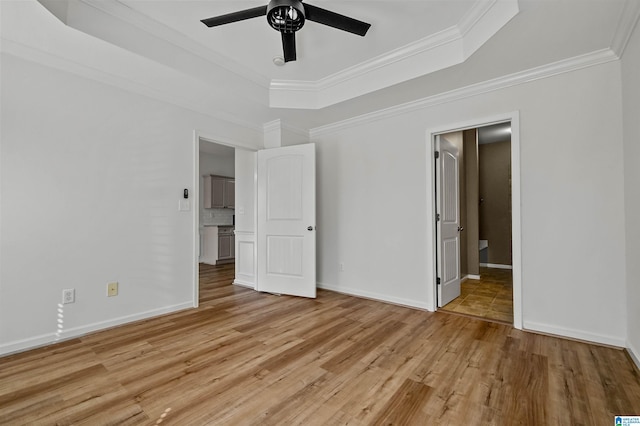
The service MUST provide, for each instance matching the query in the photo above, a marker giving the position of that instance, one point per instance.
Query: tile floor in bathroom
(490, 297)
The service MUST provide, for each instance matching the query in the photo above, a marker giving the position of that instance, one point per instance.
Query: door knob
(460, 228)
(309, 228)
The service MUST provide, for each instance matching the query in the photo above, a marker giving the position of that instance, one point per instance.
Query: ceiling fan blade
(240, 15)
(289, 46)
(335, 20)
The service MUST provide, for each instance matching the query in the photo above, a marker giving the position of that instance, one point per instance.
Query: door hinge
(438, 280)
(436, 154)
(437, 217)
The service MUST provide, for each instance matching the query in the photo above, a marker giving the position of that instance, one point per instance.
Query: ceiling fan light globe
(285, 15)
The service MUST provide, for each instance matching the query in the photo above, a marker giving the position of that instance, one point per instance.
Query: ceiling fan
(288, 16)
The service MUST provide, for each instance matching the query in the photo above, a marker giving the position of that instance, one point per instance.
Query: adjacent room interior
(216, 213)
(485, 222)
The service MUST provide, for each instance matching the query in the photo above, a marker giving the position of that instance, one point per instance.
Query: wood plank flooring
(246, 358)
(490, 297)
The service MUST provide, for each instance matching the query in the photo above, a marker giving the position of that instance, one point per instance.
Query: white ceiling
(414, 50)
(321, 50)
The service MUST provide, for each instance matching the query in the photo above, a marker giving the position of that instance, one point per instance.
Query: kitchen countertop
(211, 224)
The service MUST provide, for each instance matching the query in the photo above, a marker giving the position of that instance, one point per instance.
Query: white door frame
(195, 199)
(516, 225)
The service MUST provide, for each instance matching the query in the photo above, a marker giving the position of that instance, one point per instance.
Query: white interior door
(448, 225)
(286, 221)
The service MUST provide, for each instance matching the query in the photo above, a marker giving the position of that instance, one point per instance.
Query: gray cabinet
(219, 192)
(226, 243)
(229, 197)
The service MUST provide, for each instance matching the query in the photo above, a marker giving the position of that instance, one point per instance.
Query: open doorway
(487, 266)
(486, 282)
(216, 213)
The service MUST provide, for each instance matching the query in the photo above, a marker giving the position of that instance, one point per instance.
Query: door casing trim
(516, 222)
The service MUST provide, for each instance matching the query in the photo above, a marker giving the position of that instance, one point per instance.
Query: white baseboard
(470, 277)
(634, 354)
(496, 266)
(574, 334)
(374, 296)
(72, 333)
(242, 283)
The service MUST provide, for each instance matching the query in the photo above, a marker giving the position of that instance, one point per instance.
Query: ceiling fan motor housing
(286, 16)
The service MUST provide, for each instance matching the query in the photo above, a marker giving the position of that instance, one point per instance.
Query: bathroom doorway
(485, 216)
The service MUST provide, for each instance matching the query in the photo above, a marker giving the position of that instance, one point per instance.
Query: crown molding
(120, 11)
(295, 130)
(438, 51)
(474, 15)
(280, 125)
(51, 60)
(537, 73)
(271, 126)
(628, 21)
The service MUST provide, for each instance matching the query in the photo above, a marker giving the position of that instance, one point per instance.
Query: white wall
(373, 200)
(631, 107)
(91, 178)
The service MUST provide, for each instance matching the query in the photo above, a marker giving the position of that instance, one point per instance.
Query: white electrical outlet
(341, 266)
(68, 295)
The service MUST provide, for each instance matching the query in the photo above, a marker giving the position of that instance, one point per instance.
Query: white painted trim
(242, 283)
(271, 125)
(516, 221)
(496, 266)
(220, 140)
(121, 81)
(628, 20)
(574, 334)
(372, 295)
(516, 224)
(472, 277)
(537, 73)
(195, 203)
(433, 53)
(70, 333)
(295, 130)
(474, 15)
(243, 278)
(446, 36)
(197, 136)
(431, 264)
(144, 23)
(634, 354)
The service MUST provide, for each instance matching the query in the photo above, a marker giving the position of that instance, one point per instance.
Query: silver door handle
(460, 228)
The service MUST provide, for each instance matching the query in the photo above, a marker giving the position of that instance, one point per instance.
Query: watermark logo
(627, 421)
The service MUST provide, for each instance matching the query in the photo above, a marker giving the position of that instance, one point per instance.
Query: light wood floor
(490, 297)
(248, 358)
